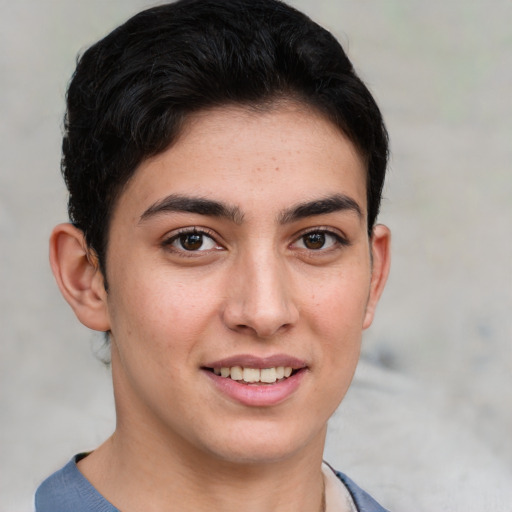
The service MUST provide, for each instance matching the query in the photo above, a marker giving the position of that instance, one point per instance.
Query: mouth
(257, 381)
(258, 376)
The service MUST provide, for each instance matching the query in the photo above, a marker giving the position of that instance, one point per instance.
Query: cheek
(336, 311)
(338, 305)
(157, 311)
(157, 326)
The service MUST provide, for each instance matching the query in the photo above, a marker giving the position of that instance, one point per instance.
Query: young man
(225, 166)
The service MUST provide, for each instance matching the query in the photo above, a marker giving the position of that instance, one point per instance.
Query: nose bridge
(261, 298)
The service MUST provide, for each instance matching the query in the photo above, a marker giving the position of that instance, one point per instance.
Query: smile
(254, 375)
(257, 381)
(256, 387)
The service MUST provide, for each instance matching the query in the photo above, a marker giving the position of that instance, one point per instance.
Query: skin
(258, 285)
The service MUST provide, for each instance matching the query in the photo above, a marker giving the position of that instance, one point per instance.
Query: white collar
(337, 497)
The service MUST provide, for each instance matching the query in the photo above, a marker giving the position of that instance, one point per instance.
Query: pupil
(314, 240)
(191, 241)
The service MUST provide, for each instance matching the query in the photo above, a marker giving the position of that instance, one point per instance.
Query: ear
(381, 259)
(78, 275)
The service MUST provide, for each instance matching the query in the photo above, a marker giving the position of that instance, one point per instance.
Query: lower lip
(258, 395)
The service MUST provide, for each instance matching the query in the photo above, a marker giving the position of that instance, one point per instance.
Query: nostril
(261, 309)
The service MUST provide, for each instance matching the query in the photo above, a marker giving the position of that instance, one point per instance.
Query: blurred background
(427, 424)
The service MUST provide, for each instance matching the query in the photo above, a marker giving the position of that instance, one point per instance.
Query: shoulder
(363, 501)
(67, 490)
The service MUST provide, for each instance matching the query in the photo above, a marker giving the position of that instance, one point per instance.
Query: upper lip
(252, 361)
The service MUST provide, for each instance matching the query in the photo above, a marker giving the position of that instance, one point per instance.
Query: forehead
(242, 156)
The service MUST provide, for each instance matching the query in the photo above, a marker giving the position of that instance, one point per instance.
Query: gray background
(428, 422)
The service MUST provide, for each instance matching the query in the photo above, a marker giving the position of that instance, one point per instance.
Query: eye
(319, 240)
(192, 241)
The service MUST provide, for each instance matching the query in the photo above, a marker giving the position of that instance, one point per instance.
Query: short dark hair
(133, 90)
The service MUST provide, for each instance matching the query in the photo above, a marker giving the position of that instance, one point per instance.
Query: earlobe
(78, 276)
(381, 259)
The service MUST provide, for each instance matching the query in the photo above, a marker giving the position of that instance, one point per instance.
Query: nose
(260, 297)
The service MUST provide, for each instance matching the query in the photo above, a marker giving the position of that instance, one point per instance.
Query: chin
(273, 444)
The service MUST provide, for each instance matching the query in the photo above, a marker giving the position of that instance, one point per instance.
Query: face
(240, 281)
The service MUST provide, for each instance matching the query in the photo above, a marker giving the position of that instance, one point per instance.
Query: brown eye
(320, 240)
(314, 241)
(191, 241)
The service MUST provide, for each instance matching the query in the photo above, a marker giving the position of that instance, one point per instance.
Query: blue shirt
(68, 490)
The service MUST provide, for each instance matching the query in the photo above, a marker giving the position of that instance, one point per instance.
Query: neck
(133, 475)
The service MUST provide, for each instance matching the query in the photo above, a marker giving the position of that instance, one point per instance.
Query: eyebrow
(330, 204)
(200, 205)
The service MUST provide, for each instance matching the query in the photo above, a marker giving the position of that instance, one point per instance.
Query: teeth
(236, 373)
(252, 375)
(268, 375)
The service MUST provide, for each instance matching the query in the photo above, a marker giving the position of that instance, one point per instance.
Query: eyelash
(168, 242)
(339, 240)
